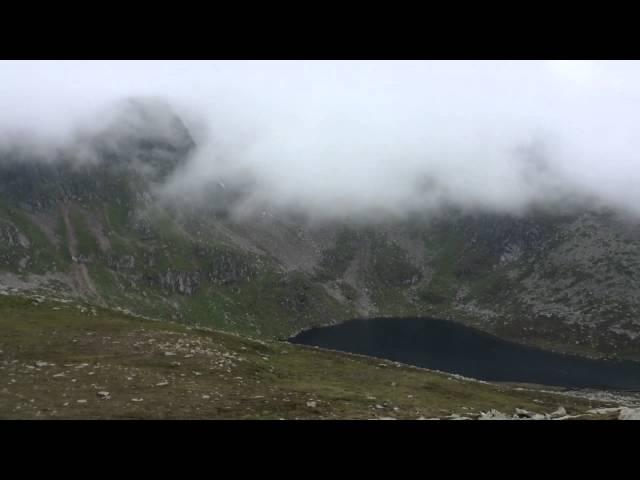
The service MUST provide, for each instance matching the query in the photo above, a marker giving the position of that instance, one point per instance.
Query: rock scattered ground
(61, 361)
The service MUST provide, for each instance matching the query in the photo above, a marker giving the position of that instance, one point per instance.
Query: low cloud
(364, 138)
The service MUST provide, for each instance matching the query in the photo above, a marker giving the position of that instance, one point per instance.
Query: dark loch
(454, 348)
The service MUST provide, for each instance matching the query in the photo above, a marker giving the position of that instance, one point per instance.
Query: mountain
(90, 222)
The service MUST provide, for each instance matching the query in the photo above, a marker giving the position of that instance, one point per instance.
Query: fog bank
(363, 137)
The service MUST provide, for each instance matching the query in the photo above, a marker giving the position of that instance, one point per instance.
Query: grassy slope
(42, 255)
(88, 349)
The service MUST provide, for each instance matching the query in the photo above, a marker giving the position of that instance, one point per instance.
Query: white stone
(524, 413)
(629, 413)
(493, 415)
(604, 411)
(566, 417)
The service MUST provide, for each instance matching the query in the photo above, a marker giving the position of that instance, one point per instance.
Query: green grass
(391, 265)
(447, 245)
(269, 305)
(43, 255)
(117, 214)
(87, 243)
(336, 260)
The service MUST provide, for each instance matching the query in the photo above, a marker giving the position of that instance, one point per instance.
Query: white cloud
(344, 136)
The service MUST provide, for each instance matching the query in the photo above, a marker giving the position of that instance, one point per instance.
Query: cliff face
(96, 230)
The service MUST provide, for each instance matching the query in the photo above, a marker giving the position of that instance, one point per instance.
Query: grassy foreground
(69, 361)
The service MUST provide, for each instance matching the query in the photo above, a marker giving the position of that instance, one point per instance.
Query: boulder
(521, 413)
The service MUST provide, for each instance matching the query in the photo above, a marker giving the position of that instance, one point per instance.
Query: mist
(363, 138)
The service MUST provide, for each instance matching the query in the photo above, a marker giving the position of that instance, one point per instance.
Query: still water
(451, 347)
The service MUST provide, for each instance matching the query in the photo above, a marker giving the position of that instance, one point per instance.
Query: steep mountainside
(97, 230)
